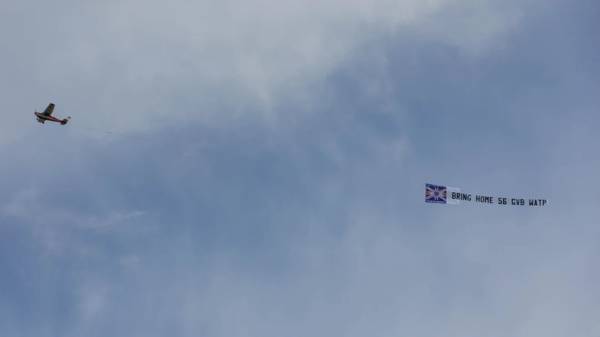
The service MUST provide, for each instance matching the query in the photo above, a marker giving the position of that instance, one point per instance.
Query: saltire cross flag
(436, 194)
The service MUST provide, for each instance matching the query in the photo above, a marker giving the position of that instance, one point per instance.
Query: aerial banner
(437, 194)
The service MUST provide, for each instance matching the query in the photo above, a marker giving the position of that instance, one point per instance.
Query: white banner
(439, 194)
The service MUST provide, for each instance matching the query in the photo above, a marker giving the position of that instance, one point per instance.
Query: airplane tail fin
(65, 121)
(38, 117)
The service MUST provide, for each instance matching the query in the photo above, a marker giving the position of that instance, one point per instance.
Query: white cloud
(132, 64)
(58, 228)
(93, 299)
(381, 278)
(474, 26)
(21, 204)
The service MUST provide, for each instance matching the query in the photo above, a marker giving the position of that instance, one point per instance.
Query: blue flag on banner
(435, 194)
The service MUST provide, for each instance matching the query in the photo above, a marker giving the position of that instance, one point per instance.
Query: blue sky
(257, 169)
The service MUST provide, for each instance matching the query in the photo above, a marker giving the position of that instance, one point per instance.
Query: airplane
(47, 116)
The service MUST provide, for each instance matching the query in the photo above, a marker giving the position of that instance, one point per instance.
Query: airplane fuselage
(42, 118)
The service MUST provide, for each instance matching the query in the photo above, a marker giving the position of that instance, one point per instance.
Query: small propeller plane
(47, 116)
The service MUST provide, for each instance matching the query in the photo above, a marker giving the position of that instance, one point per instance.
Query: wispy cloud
(134, 65)
(276, 184)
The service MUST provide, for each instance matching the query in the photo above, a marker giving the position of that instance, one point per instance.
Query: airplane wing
(49, 109)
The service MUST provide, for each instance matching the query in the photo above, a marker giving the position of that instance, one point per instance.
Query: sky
(237, 168)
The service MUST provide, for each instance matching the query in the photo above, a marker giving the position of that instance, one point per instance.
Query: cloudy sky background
(256, 168)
